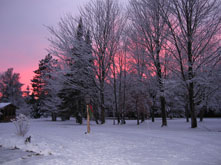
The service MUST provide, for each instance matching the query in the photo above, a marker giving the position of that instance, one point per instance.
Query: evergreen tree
(10, 88)
(38, 85)
(73, 46)
(51, 87)
(80, 78)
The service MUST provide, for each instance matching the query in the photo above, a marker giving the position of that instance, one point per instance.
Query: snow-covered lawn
(149, 144)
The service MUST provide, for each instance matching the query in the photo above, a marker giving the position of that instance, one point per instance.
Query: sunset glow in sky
(23, 35)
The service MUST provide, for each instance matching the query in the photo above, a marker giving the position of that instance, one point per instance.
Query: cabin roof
(3, 105)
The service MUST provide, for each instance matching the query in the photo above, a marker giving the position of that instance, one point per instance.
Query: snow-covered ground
(65, 143)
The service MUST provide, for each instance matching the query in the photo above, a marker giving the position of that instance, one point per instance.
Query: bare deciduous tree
(195, 37)
(103, 18)
(151, 27)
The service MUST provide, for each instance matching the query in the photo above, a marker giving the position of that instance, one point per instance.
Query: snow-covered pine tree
(52, 87)
(10, 88)
(38, 86)
(90, 70)
(71, 90)
(80, 76)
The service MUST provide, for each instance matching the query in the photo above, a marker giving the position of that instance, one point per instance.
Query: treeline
(151, 58)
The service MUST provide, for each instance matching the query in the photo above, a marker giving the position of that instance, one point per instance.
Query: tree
(151, 29)
(63, 40)
(194, 29)
(80, 77)
(52, 87)
(138, 69)
(118, 87)
(207, 89)
(39, 84)
(103, 18)
(10, 88)
(73, 46)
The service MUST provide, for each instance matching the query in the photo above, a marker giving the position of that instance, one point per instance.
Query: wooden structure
(7, 112)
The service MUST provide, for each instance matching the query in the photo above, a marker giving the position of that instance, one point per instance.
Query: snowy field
(65, 143)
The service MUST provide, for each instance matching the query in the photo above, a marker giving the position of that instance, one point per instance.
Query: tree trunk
(163, 110)
(102, 111)
(118, 118)
(121, 109)
(192, 109)
(124, 89)
(54, 116)
(79, 113)
(114, 117)
(102, 104)
(202, 112)
(152, 114)
(162, 98)
(142, 117)
(161, 85)
(190, 76)
(187, 112)
(138, 122)
(78, 119)
(115, 95)
(68, 117)
(96, 116)
(153, 109)
(63, 117)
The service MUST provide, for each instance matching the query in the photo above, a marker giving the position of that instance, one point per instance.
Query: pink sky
(23, 36)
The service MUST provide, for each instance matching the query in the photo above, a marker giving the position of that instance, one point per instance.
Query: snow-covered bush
(21, 123)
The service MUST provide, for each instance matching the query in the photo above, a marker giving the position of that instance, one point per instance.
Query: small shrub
(21, 124)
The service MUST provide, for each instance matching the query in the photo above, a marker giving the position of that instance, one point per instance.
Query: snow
(66, 143)
(2, 105)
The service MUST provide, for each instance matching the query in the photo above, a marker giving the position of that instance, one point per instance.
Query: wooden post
(88, 120)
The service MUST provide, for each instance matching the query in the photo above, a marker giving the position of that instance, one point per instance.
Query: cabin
(7, 112)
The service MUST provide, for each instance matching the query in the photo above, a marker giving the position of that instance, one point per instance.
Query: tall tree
(103, 18)
(51, 87)
(194, 41)
(73, 46)
(38, 85)
(151, 29)
(137, 66)
(80, 77)
(63, 45)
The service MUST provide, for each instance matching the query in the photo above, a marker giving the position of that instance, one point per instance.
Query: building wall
(8, 113)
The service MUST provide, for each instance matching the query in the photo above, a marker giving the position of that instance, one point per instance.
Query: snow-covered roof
(2, 105)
